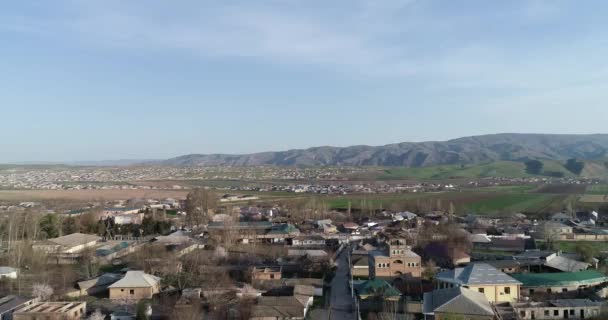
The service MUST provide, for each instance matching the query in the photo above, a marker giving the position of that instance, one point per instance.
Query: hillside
(512, 169)
(462, 151)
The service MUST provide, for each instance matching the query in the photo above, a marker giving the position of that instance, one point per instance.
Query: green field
(569, 246)
(512, 169)
(506, 203)
(601, 189)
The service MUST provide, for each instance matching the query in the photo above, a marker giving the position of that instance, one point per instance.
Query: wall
(497, 293)
(539, 313)
(138, 293)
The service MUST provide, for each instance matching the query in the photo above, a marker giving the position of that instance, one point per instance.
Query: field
(506, 203)
(513, 169)
(594, 198)
(597, 189)
(87, 195)
(569, 246)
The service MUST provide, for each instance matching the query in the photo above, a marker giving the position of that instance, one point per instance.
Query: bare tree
(97, 315)
(199, 204)
(42, 291)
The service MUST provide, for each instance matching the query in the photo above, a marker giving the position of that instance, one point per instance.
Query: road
(341, 302)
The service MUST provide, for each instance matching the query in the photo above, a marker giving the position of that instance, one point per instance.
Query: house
(445, 255)
(558, 309)
(565, 264)
(484, 278)
(135, 285)
(553, 230)
(290, 307)
(375, 295)
(97, 285)
(51, 311)
(552, 261)
(516, 244)
(588, 219)
(8, 273)
(508, 265)
(360, 265)
(266, 273)
(560, 281)
(312, 254)
(399, 261)
(9, 304)
(72, 243)
(560, 217)
(457, 302)
(308, 241)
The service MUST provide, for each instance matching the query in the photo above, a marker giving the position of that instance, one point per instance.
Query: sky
(153, 79)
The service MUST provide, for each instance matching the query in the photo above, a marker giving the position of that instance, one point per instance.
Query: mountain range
(464, 151)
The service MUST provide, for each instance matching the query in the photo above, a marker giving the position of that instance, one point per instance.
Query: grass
(594, 198)
(569, 246)
(601, 189)
(511, 169)
(525, 202)
(510, 189)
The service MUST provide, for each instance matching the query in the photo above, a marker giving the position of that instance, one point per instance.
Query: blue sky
(115, 79)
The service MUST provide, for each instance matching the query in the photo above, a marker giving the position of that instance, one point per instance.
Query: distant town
(298, 243)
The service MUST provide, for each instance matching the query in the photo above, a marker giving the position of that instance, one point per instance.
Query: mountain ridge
(465, 150)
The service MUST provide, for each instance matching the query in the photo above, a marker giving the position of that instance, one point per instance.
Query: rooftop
(136, 279)
(51, 307)
(457, 300)
(376, 287)
(560, 278)
(476, 274)
(74, 239)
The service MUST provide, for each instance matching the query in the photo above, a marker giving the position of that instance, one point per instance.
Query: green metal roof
(377, 287)
(284, 229)
(560, 278)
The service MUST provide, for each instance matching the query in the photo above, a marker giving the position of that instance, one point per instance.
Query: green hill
(511, 169)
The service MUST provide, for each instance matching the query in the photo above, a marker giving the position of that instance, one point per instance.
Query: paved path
(341, 302)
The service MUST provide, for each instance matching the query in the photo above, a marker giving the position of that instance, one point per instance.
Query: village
(215, 257)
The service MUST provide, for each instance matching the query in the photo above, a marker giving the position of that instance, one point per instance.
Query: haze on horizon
(98, 80)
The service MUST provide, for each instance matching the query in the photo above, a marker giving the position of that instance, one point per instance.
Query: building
(553, 230)
(9, 304)
(360, 265)
(294, 306)
(560, 281)
(9, 273)
(72, 243)
(308, 241)
(445, 255)
(457, 303)
(51, 311)
(561, 217)
(377, 295)
(97, 285)
(266, 273)
(496, 285)
(558, 309)
(135, 285)
(399, 261)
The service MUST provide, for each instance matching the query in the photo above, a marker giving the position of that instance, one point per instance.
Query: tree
(97, 315)
(70, 225)
(199, 204)
(143, 310)
(586, 250)
(574, 166)
(49, 226)
(430, 271)
(452, 209)
(534, 167)
(42, 291)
